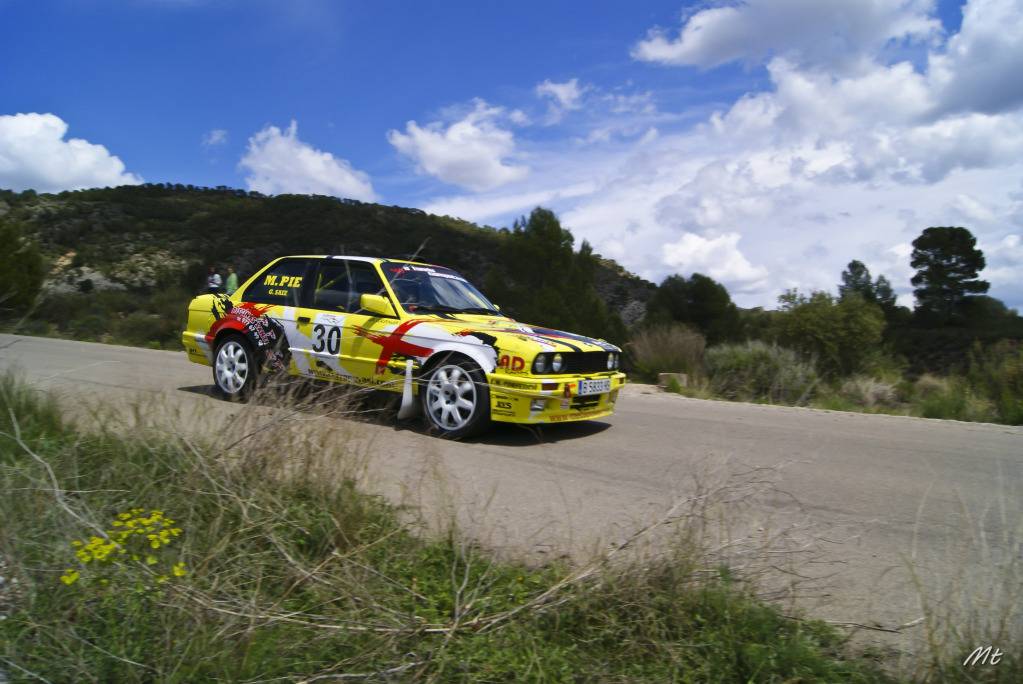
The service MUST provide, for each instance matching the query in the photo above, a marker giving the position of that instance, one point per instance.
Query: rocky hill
(141, 237)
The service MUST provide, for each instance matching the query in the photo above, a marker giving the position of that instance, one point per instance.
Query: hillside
(148, 236)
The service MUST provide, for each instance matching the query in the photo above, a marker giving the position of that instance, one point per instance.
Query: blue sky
(764, 142)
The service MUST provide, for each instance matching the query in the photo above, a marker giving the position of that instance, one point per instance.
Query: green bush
(140, 318)
(22, 267)
(671, 348)
(997, 373)
(950, 399)
(841, 334)
(756, 371)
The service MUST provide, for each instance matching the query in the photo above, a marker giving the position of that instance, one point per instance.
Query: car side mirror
(376, 304)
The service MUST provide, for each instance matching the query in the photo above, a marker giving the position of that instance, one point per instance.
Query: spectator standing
(213, 281)
(232, 281)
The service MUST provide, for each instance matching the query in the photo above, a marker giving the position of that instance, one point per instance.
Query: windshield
(434, 289)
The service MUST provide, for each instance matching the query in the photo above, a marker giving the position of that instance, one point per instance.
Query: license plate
(594, 386)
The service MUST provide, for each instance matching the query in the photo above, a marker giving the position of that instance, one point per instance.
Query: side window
(340, 284)
(280, 284)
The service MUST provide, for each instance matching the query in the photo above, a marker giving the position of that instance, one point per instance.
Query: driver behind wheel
(409, 293)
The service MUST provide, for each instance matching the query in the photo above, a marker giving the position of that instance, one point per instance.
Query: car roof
(372, 260)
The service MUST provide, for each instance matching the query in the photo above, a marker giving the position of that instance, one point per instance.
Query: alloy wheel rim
(232, 367)
(451, 397)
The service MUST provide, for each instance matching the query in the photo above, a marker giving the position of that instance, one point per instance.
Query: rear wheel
(455, 399)
(234, 368)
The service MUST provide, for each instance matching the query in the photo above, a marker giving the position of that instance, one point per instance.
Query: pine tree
(947, 262)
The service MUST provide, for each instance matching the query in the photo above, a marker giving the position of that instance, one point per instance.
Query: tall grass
(293, 572)
(756, 371)
(997, 373)
(670, 348)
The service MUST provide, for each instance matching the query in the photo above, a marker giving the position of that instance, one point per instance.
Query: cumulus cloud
(278, 162)
(214, 138)
(35, 155)
(1004, 261)
(719, 257)
(980, 70)
(472, 152)
(833, 159)
(807, 31)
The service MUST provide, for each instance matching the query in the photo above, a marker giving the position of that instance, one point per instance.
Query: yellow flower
(150, 560)
(179, 570)
(161, 579)
(70, 576)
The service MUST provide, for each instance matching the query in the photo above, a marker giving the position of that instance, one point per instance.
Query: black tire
(235, 368)
(444, 392)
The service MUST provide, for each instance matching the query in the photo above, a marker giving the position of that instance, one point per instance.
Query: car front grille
(584, 362)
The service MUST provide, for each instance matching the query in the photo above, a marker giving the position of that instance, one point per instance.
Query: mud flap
(409, 406)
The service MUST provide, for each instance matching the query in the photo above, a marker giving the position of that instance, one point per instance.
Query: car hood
(514, 337)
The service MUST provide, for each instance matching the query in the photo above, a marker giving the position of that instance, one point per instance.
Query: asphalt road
(877, 510)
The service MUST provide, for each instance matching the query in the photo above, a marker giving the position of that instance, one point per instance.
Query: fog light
(537, 405)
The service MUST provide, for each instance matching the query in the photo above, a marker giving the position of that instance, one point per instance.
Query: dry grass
(296, 573)
(667, 349)
(868, 392)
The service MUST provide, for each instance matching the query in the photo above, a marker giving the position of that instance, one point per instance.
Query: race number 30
(327, 337)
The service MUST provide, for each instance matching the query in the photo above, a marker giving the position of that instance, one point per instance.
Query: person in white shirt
(213, 281)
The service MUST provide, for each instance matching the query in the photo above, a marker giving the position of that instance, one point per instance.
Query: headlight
(610, 361)
(556, 363)
(540, 364)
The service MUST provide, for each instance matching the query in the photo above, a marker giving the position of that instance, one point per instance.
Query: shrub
(758, 371)
(22, 267)
(841, 334)
(951, 399)
(869, 392)
(669, 348)
(928, 385)
(997, 373)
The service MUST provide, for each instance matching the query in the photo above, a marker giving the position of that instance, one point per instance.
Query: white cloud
(278, 162)
(980, 70)
(564, 97)
(472, 152)
(829, 32)
(482, 207)
(833, 160)
(35, 155)
(719, 257)
(1004, 262)
(215, 137)
(519, 117)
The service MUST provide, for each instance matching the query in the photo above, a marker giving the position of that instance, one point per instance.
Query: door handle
(304, 319)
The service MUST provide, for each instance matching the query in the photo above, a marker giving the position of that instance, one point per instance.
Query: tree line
(847, 330)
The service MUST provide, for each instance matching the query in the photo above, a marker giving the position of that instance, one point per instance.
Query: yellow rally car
(419, 330)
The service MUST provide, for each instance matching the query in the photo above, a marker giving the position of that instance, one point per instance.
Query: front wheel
(234, 368)
(455, 399)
